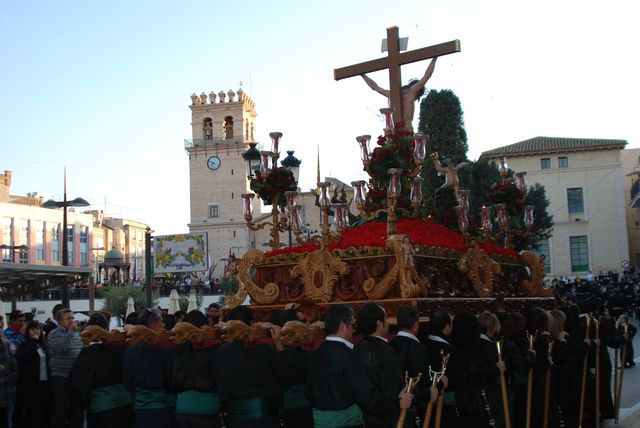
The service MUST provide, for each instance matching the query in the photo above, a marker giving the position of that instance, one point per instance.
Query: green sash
(449, 398)
(294, 398)
(151, 399)
(194, 402)
(247, 409)
(109, 397)
(349, 417)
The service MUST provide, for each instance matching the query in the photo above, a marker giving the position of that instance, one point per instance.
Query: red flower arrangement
(509, 194)
(421, 232)
(270, 188)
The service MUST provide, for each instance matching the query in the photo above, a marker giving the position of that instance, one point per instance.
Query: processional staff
(597, 416)
(623, 362)
(503, 389)
(547, 385)
(529, 385)
(445, 360)
(585, 363)
(410, 383)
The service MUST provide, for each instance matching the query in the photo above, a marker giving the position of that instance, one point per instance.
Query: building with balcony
(584, 182)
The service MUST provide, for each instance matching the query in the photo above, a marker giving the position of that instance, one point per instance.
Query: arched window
(252, 132)
(228, 127)
(246, 129)
(207, 128)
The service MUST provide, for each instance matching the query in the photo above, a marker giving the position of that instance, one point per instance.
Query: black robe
(98, 366)
(32, 395)
(413, 360)
(337, 379)
(490, 379)
(296, 411)
(435, 350)
(385, 372)
(144, 367)
(518, 360)
(192, 368)
(245, 372)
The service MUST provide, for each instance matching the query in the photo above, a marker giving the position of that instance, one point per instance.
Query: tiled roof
(552, 145)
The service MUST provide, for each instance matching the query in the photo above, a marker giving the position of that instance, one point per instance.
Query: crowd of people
(356, 375)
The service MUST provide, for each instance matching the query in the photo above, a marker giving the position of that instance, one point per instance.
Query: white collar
(339, 339)
(407, 334)
(382, 338)
(485, 337)
(437, 339)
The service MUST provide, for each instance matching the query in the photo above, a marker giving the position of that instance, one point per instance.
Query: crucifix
(393, 61)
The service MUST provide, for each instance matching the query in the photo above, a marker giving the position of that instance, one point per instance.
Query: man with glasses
(338, 387)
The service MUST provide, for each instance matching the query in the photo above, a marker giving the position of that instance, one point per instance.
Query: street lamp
(64, 204)
(92, 290)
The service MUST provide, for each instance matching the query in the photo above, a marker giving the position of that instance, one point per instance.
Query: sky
(103, 87)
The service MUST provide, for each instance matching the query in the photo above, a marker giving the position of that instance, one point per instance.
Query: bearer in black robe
(609, 338)
(380, 361)
(190, 375)
(96, 380)
(414, 361)
(251, 378)
(437, 345)
(489, 330)
(144, 367)
(338, 387)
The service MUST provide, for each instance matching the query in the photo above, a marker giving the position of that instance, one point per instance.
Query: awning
(22, 278)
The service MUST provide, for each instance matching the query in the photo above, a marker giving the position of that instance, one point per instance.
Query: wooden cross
(393, 61)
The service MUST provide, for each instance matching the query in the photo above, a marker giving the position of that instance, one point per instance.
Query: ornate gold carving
(246, 286)
(319, 271)
(403, 271)
(480, 269)
(534, 288)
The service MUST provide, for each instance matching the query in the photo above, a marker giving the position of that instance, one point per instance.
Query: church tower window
(207, 128)
(228, 127)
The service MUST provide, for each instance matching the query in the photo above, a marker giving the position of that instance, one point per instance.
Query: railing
(83, 293)
(217, 142)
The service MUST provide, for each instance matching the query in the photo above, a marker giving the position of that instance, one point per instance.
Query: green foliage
(229, 285)
(542, 222)
(115, 299)
(442, 123)
(183, 301)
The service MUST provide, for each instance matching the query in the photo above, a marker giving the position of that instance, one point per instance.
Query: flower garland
(270, 188)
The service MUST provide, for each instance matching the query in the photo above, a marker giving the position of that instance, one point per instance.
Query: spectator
(213, 311)
(14, 332)
(8, 377)
(32, 389)
(51, 324)
(64, 344)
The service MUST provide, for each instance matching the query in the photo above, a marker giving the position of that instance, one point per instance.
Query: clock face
(213, 162)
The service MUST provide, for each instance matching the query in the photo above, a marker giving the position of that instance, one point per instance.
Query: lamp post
(64, 204)
(92, 290)
(148, 265)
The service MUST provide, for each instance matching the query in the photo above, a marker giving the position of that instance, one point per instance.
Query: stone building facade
(584, 182)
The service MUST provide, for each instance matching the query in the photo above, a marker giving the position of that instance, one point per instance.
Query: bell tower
(222, 127)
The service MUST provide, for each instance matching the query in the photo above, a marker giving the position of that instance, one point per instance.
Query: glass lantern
(324, 199)
(294, 217)
(528, 216)
(419, 147)
(275, 141)
(503, 168)
(291, 196)
(485, 217)
(463, 221)
(265, 167)
(345, 215)
(501, 214)
(463, 199)
(363, 141)
(388, 119)
(416, 191)
(358, 192)
(395, 187)
(338, 217)
(521, 182)
(247, 206)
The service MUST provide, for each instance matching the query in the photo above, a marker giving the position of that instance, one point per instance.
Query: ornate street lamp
(64, 204)
(292, 163)
(252, 160)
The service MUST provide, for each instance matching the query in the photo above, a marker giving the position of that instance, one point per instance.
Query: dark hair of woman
(466, 331)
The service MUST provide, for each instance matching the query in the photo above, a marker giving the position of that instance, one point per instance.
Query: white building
(585, 184)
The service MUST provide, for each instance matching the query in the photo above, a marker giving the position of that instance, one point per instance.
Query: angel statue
(450, 172)
(410, 93)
